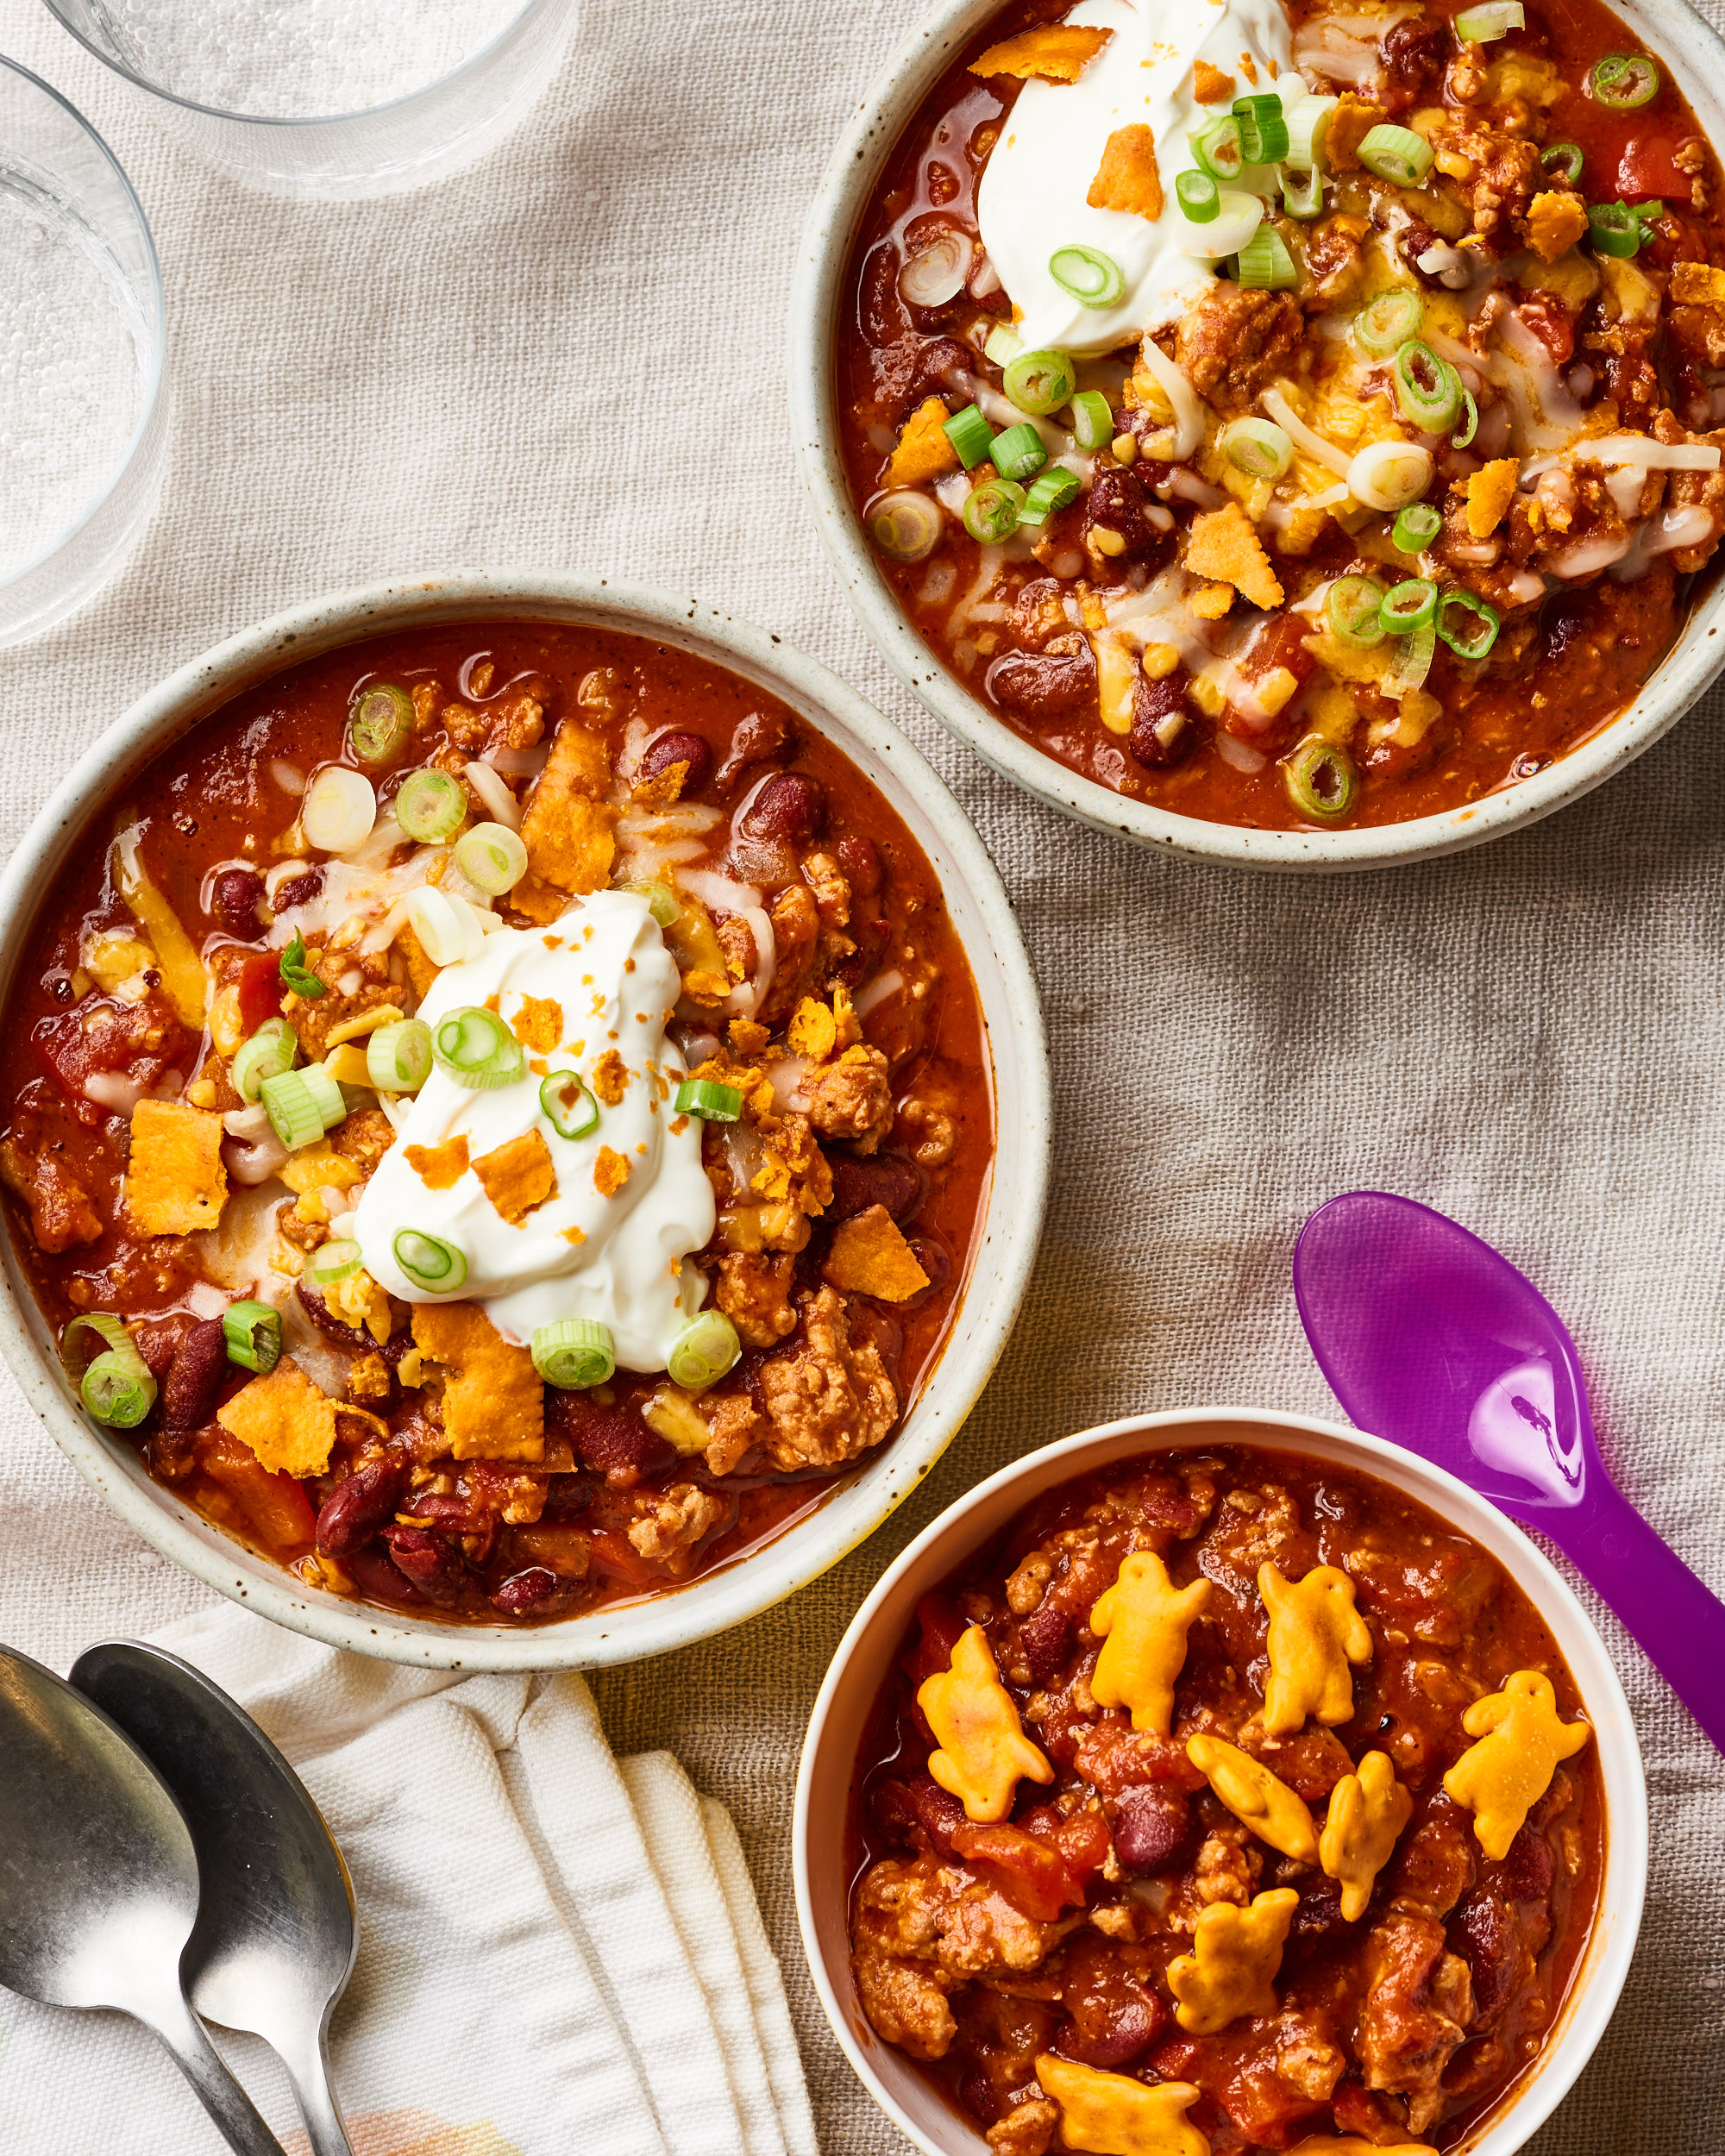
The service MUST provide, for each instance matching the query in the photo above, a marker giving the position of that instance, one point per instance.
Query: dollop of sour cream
(1032, 197)
(620, 1259)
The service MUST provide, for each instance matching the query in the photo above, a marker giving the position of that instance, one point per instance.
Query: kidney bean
(298, 890)
(977, 2094)
(195, 1379)
(860, 858)
(1490, 1941)
(1412, 56)
(1319, 1916)
(1112, 2018)
(378, 1576)
(157, 1339)
(790, 808)
(669, 748)
(235, 898)
(432, 1563)
(1046, 1638)
(1527, 1868)
(362, 1506)
(761, 737)
(1038, 685)
(1156, 705)
(936, 1260)
(612, 1441)
(1118, 502)
(537, 1592)
(885, 1180)
(568, 1497)
(918, 1814)
(350, 1336)
(1150, 1827)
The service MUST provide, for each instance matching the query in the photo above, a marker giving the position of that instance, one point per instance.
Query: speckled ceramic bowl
(1696, 55)
(821, 1858)
(1012, 1222)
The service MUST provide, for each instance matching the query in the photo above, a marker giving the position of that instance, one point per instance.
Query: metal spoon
(1432, 1339)
(277, 1933)
(98, 1882)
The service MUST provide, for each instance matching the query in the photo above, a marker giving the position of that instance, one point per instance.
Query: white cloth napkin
(559, 1950)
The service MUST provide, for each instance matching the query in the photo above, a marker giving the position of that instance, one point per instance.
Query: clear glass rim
(317, 120)
(147, 407)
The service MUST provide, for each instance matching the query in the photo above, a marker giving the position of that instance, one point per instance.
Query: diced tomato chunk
(943, 1625)
(1647, 171)
(98, 1036)
(258, 980)
(274, 1507)
(1027, 1871)
(613, 1552)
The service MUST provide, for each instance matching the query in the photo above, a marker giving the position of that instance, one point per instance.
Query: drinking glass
(321, 99)
(83, 353)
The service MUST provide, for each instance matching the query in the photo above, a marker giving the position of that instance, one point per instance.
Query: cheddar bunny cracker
(1231, 1970)
(983, 1749)
(1255, 1796)
(1113, 2115)
(1368, 1811)
(1521, 1741)
(1315, 1633)
(1142, 1621)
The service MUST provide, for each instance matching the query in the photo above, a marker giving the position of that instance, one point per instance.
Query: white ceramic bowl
(867, 1649)
(1696, 54)
(1011, 1225)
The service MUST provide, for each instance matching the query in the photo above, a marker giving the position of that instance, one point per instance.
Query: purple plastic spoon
(1431, 1339)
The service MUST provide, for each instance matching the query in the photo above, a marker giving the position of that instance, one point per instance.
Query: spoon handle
(222, 2097)
(317, 2101)
(1676, 1620)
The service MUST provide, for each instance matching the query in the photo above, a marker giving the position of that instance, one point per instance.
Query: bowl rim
(1007, 1240)
(1599, 1977)
(1696, 53)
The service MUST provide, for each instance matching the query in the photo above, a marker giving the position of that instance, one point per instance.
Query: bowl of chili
(1239, 646)
(952, 1959)
(208, 1158)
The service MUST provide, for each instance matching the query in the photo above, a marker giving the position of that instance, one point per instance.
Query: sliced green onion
(661, 901)
(1052, 491)
(477, 1049)
(1415, 528)
(339, 811)
(398, 1056)
(707, 1098)
(1470, 423)
(703, 1351)
(336, 1260)
(1041, 382)
(297, 975)
(1405, 607)
(1264, 264)
(1395, 154)
(1002, 344)
(1614, 229)
(905, 524)
(992, 511)
(492, 857)
(1351, 607)
(1469, 639)
(1303, 194)
(1320, 780)
(252, 1331)
(1387, 323)
(1018, 451)
(292, 1109)
(110, 1331)
(1428, 389)
(1647, 213)
(118, 1390)
(430, 806)
(1196, 194)
(573, 1110)
(270, 1050)
(1388, 475)
(1413, 661)
(1493, 20)
(1565, 158)
(440, 1267)
(379, 722)
(1625, 81)
(1217, 147)
(324, 1092)
(1262, 130)
(1092, 420)
(1307, 121)
(573, 1353)
(1257, 446)
(1095, 280)
(969, 434)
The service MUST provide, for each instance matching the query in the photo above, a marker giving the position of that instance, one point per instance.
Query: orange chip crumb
(1127, 178)
(1224, 544)
(610, 1172)
(1490, 492)
(1059, 51)
(1555, 220)
(539, 1024)
(1210, 86)
(923, 452)
(609, 1079)
(577, 1236)
(517, 1176)
(813, 1031)
(748, 1037)
(288, 1423)
(439, 1167)
(568, 829)
(1211, 601)
(493, 1402)
(176, 1183)
(1695, 284)
(870, 1257)
(1349, 123)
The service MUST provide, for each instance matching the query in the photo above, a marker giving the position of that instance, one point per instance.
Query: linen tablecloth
(571, 356)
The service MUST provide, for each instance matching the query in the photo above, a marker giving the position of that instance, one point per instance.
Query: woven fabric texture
(571, 356)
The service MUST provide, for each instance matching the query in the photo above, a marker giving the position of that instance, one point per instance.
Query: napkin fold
(559, 1950)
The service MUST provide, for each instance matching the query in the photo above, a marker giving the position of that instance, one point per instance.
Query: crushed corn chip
(1117, 2113)
(1502, 1778)
(1231, 1970)
(813, 1031)
(610, 1080)
(288, 1423)
(1350, 122)
(1059, 51)
(610, 1172)
(1697, 284)
(1555, 220)
(1315, 1633)
(1490, 492)
(1128, 178)
(1211, 601)
(1210, 86)
(982, 1748)
(1142, 1621)
(176, 1183)
(365, 1022)
(493, 1402)
(870, 1257)
(749, 1039)
(1223, 544)
(439, 1167)
(568, 829)
(1368, 1811)
(518, 1176)
(923, 451)
(538, 1024)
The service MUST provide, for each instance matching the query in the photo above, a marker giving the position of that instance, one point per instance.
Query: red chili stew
(408, 1452)
(1056, 1933)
